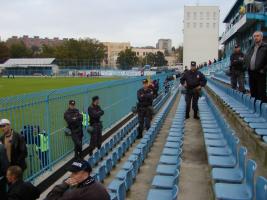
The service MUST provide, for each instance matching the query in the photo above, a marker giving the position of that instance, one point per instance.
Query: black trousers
(43, 157)
(96, 138)
(77, 141)
(3, 189)
(238, 77)
(191, 97)
(257, 84)
(144, 118)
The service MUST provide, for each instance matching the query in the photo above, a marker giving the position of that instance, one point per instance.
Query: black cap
(193, 64)
(80, 165)
(145, 81)
(95, 98)
(71, 102)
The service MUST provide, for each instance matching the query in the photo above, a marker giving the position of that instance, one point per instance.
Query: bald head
(257, 37)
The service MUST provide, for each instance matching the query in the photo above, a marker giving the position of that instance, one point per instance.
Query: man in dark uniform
(237, 69)
(144, 107)
(95, 112)
(3, 169)
(74, 120)
(193, 80)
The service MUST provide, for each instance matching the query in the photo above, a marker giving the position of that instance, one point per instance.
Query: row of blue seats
(232, 173)
(165, 183)
(115, 147)
(252, 111)
(127, 174)
(221, 76)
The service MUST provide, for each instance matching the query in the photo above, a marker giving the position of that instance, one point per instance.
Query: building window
(201, 25)
(207, 15)
(195, 15)
(188, 25)
(137, 53)
(207, 25)
(188, 15)
(195, 25)
(201, 15)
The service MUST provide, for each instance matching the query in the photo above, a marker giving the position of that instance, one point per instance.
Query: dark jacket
(74, 120)
(87, 190)
(95, 113)
(18, 150)
(22, 191)
(261, 58)
(3, 161)
(237, 62)
(145, 97)
(193, 79)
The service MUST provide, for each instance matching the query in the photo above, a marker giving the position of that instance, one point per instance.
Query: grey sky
(141, 22)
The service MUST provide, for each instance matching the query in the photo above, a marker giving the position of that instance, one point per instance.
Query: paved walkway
(194, 178)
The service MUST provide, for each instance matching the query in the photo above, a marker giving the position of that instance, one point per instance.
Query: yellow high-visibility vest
(43, 143)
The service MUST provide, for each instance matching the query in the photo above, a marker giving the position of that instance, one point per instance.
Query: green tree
(150, 59)
(160, 59)
(127, 59)
(47, 51)
(179, 52)
(4, 52)
(19, 50)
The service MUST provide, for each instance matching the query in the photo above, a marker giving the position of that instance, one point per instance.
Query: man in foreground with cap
(15, 145)
(145, 102)
(74, 120)
(80, 185)
(237, 70)
(3, 169)
(192, 80)
(95, 112)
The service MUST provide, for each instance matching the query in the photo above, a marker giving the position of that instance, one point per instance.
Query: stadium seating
(165, 182)
(232, 175)
(141, 150)
(254, 113)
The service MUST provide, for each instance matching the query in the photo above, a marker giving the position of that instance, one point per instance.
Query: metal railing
(35, 113)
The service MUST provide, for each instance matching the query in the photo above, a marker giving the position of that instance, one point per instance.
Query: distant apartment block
(165, 44)
(35, 41)
(142, 52)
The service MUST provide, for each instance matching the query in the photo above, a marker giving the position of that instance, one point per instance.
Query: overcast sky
(141, 22)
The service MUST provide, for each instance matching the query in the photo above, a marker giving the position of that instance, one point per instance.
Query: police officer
(144, 107)
(74, 120)
(237, 70)
(193, 80)
(95, 112)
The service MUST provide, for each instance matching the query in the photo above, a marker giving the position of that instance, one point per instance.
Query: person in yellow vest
(42, 148)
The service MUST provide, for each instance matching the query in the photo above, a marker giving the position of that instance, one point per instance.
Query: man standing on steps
(95, 113)
(145, 102)
(193, 80)
(74, 120)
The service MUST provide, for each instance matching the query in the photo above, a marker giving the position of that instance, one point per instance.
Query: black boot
(196, 115)
(187, 116)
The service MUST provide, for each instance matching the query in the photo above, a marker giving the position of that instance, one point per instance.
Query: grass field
(11, 87)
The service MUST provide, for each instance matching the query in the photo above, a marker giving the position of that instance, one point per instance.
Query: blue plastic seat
(261, 131)
(108, 164)
(264, 139)
(128, 165)
(101, 171)
(91, 161)
(159, 194)
(118, 187)
(97, 156)
(174, 139)
(167, 170)
(171, 152)
(126, 176)
(170, 160)
(165, 182)
(114, 158)
(215, 143)
(113, 196)
(244, 191)
(174, 145)
(232, 175)
(261, 188)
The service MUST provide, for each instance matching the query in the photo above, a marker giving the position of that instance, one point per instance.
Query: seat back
(233, 145)
(258, 107)
(250, 172)
(261, 188)
(242, 158)
(175, 192)
(264, 110)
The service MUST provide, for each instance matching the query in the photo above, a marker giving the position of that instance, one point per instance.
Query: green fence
(34, 113)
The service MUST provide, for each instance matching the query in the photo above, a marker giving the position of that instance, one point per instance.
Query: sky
(141, 22)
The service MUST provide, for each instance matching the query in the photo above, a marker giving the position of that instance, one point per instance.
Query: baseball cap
(4, 122)
(193, 64)
(80, 165)
(71, 102)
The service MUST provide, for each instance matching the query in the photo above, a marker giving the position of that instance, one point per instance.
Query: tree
(4, 52)
(150, 59)
(47, 51)
(19, 50)
(160, 59)
(127, 59)
(179, 51)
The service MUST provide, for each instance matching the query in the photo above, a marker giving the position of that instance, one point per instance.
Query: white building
(201, 34)
(165, 44)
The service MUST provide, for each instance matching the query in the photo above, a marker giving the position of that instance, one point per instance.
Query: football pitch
(17, 86)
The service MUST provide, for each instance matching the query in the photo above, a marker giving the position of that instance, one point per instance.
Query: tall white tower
(201, 34)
